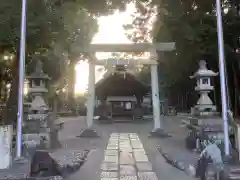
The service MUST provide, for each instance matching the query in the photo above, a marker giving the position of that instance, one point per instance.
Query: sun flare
(111, 30)
(81, 77)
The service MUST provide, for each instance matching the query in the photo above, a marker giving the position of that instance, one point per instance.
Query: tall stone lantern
(204, 86)
(204, 120)
(35, 127)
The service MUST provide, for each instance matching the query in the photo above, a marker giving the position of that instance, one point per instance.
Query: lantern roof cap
(203, 71)
(38, 72)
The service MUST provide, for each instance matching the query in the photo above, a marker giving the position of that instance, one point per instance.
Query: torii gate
(152, 61)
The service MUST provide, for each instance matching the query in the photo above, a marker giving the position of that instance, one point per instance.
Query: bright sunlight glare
(111, 30)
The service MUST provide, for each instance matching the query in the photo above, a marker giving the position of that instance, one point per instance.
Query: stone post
(6, 132)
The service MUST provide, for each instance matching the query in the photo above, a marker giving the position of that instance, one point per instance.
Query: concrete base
(159, 133)
(88, 133)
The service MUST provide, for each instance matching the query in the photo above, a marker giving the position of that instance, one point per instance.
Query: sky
(110, 31)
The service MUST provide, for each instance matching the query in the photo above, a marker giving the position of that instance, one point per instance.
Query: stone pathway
(125, 158)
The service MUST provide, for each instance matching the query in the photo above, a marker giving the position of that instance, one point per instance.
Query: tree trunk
(5, 97)
(236, 93)
(10, 111)
(1, 83)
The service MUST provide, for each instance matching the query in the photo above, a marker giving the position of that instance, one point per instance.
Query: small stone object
(88, 133)
(181, 165)
(191, 171)
(160, 133)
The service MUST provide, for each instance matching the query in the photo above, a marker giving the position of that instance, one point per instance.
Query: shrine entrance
(120, 96)
(111, 64)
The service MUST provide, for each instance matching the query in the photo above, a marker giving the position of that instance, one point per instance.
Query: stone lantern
(204, 121)
(35, 126)
(37, 82)
(204, 86)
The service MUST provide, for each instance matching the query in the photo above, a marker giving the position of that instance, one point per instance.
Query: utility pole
(222, 75)
(21, 79)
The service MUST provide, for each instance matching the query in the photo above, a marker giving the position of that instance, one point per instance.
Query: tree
(56, 30)
(46, 30)
(192, 25)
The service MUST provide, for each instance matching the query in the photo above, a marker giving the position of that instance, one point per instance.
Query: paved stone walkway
(93, 168)
(125, 158)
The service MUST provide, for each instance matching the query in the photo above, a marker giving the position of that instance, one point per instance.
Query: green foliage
(192, 25)
(56, 32)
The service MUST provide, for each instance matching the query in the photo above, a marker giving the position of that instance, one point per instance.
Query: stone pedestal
(6, 133)
(202, 129)
(36, 131)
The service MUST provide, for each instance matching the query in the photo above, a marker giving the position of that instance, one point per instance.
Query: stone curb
(189, 169)
(66, 170)
(70, 169)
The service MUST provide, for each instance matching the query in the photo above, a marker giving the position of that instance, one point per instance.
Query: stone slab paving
(126, 159)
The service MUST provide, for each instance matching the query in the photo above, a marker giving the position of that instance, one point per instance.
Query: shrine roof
(121, 84)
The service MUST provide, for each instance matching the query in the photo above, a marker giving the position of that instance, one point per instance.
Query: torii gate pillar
(155, 98)
(157, 129)
(91, 95)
